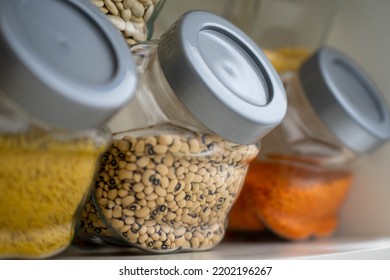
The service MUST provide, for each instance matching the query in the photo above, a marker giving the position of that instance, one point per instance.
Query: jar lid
(346, 100)
(64, 61)
(222, 77)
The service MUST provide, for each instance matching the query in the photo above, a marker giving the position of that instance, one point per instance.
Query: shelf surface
(337, 248)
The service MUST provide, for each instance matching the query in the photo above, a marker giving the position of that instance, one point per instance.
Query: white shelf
(337, 248)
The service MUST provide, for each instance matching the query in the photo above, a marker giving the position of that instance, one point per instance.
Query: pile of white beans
(130, 17)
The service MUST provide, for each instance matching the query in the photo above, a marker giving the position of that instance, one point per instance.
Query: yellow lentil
(42, 183)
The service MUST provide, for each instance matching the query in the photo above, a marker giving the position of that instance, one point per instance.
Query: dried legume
(42, 183)
(130, 17)
(294, 201)
(181, 207)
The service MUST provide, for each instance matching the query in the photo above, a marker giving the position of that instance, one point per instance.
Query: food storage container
(133, 18)
(299, 183)
(63, 72)
(207, 95)
(287, 30)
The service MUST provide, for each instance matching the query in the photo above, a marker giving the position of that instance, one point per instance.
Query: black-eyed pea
(107, 213)
(165, 228)
(162, 169)
(180, 241)
(143, 229)
(178, 197)
(160, 200)
(150, 223)
(151, 165)
(116, 223)
(148, 190)
(142, 212)
(198, 178)
(160, 191)
(140, 147)
(143, 162)
(164, 182)
(131, 167)
(151, 140)
(170, 197)
(111, 204)
(99, 192)
(163, 236)
(147, 177)
(165, 140)
(170, 216)
(187, 187)
(195, 243)
(198, 235)
(103, 202)
(171, 237)
(151, 197)
(112, 194)
(151, 204)
(168, 160)
(172, 173)
(185, 219)
(150, 230)
(142, 202)
(155, 236)
(137, 177)
(122, 193)
(158, 244)
(132, 236)
(176, 147)
(127, 200)
(138, 187)
(142, 238)
(189, 177)
(160, 149)
(182, 203)
(125, 228)
(117, 212)
(129, 220)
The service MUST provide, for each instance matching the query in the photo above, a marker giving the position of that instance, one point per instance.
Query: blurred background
(359, 28)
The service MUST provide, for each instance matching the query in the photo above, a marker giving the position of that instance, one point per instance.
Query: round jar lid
(222, 77)
(64, 62)
(346, 100)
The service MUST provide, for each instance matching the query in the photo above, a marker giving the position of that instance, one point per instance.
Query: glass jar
(299, 183)
(287, 30)
(133, 18)
(207, 95)
(56, 97)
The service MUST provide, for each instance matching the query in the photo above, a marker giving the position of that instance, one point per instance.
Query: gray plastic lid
(63, 61)
(346, 100)
(222, 77)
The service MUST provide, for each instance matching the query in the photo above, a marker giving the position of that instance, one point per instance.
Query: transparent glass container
(288, 30)
(174, 168)
(298, 185)
(45, 175)
(53, 118)
(133, 18)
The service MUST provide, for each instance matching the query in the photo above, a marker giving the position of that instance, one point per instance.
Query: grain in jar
(180, 151)
(54, 106)
(298, 185)
(134, 19)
